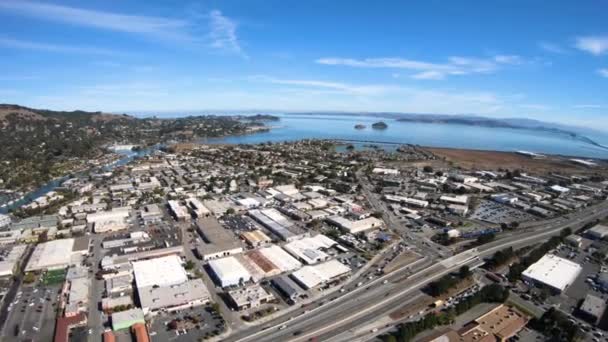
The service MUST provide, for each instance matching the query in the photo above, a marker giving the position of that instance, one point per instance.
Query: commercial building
(51, 255)
(354, 227)
(597, 232)
(553, 271)
(278, 224)
(197, 208)
(159, 272)
(170, 298)
(229, 272)
(5, 221)
(385, 171)
(109, 221)
(151, 213)
(310, 250)
(498, 325)
(592, 308)
(278, 257)
(179, 212)
(125, 319)
(249, 297)
(141, 332)
(218, 242)
(256, 238)
(286, 288)
(309, 277)
(63, 326)
(118, 261)
(10, 261)
(78, 296)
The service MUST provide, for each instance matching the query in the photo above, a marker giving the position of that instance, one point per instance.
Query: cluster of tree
(408, 331)
(38, 145)
(500, 258)
(556, 326)
(485, 238)
(447, 282)
(518, 268)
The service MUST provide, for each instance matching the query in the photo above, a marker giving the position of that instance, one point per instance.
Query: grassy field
(54, 277)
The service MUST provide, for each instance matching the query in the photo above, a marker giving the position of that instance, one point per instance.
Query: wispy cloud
(603, 72)
(595, 45)
(328, 85)
(148, 25)
(28, 45)
(223, 33)
(456, 65)
(551, 47)
(534, 106)
(589, 106)
(220, 34)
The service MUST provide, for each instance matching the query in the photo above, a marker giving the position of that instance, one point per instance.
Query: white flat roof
(311, 276)
(51, 254)
(229, 271)
(553, 271)
(164, 271)
(280, 258)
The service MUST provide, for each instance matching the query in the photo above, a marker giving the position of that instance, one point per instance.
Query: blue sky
(535, 59)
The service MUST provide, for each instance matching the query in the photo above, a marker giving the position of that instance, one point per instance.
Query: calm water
(325, 126)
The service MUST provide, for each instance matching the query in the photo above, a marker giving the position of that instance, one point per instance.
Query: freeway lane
(378, 303)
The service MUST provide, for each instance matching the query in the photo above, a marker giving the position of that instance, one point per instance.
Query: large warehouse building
(163, 285)
(553, 271)
(57, 254)
(229, 271)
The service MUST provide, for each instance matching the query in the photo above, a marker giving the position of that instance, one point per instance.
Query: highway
(366, 306)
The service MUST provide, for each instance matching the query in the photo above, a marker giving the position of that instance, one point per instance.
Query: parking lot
(192, 325)
(32, 313)
(497, 213)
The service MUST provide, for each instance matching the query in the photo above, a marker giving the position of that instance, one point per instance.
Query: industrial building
(5, 221)
(11, 260)
(597, 232)
(109, 221)
(553, 271)
(197, 208)
(592, 308)
(179, 212)
(249, 297)
(286, 288)
(256, 238)
(354, 227)
(125, 319)
(310, 250)
(309, 277)
(160, 272)
(117, 261)
(188, 294)
(278, 257)
(229, 272)
(218, 242)
(51, 255)
(151, 213)
(163, 285)
(278, 224)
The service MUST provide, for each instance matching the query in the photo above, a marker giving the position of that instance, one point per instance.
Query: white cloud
(595, 45)
(429, 75)
(345, 88)
(160, 27)
(223, 33)
(589, 106)
(551, 47)
(509, 59)
(534, 106)
(456, 65)
(603, 72)
(28, 45)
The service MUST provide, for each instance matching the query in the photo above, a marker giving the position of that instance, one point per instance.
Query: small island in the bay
(379, 125)
(360, 126)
